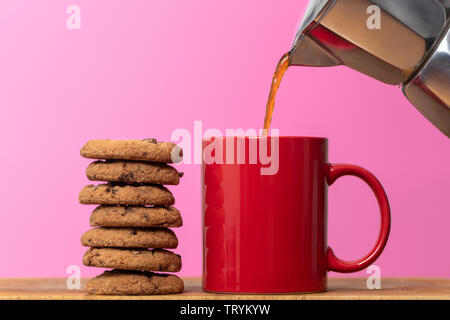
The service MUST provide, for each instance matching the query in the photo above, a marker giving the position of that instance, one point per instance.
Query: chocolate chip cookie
(139, 195)
(132, 172)
(142, 150)
(118, 282)
(132, 216)
(133, 259)
(130, 238)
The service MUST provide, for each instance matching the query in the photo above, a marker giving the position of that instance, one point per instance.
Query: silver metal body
(409, 45)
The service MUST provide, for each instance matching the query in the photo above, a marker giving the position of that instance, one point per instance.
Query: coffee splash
(282, 66)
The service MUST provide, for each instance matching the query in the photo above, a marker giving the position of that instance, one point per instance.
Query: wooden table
(339, 289)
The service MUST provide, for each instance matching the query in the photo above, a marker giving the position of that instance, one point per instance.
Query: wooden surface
(339, 288)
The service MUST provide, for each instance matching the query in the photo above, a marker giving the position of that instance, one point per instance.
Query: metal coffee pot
(403, 42)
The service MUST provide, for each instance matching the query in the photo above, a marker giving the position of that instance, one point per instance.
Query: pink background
(140, 69)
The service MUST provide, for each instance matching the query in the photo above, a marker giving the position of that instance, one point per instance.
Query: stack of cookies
(131, 224)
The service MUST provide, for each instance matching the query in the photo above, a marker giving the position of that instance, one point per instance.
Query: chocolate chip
(150, 140)
(146, 216)
(133, 232)
(181, 174)
(126, 177)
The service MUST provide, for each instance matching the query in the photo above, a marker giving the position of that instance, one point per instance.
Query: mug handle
(336, 171)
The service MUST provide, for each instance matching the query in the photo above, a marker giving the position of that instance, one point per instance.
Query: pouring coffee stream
(276, 80)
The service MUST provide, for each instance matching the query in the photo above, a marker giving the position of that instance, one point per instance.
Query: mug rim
(269, 136)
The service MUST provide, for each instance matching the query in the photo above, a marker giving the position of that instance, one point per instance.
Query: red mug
(265, 224)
